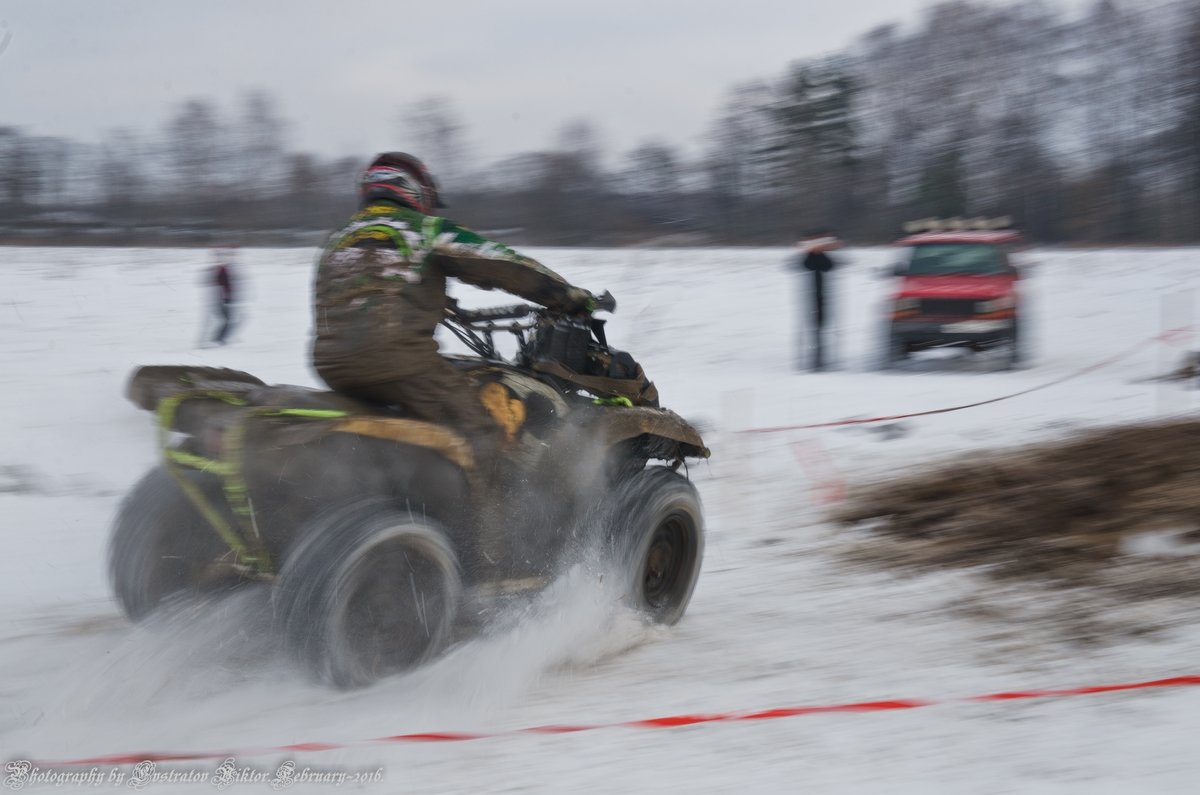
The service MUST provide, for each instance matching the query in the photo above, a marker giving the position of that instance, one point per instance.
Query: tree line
(1083, 129)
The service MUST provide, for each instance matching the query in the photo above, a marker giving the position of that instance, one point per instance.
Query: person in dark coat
(814, 258)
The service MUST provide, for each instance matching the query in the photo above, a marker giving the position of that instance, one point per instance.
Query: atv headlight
(995, 305)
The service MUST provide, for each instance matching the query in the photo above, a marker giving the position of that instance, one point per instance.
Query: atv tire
(369, 591)
(657, 529)
(162, 548)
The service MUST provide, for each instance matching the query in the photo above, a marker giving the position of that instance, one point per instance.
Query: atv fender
(681, 439)
(150, 384)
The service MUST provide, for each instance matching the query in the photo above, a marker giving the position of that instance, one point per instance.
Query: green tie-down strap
(614, 401)
(244, 540)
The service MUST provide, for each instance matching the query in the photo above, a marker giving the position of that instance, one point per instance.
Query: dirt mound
(1065, 513)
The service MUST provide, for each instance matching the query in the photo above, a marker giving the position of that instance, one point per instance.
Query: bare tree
(436, 133)
(813, 145)
(122, 179)
(736, 174)
(582, 140)
(260, 147)
(196, 147)
(653, 179)
(1083, 127)
(570, 194)
(1187, 131)
(19, 175)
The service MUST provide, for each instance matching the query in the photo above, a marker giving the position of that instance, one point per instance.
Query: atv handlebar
(603, 303)
(476, 327)
(513, 312)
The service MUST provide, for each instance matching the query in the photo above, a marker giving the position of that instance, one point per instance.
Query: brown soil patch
(1057, 512)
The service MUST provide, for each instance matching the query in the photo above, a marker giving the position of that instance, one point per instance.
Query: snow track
(779, 617)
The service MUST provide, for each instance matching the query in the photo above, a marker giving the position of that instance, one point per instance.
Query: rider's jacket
(384, 275)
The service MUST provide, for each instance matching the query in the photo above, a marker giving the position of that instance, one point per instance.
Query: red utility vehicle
(957, 289)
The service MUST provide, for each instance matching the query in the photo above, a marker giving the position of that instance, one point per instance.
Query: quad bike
(381, 535)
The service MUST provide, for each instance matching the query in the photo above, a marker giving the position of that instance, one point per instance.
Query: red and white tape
(829, 486)
(667, 722)
(1170, 336)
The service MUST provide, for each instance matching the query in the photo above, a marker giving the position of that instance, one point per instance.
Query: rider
(380, 293)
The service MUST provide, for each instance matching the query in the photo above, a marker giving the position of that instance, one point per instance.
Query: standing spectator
(223, 283)
(814, 258)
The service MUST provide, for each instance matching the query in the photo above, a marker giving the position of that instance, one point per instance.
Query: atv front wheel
(162, 547)
(369, 591)
(658, 530)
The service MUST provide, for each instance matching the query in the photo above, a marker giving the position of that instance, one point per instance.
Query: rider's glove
(580, 301)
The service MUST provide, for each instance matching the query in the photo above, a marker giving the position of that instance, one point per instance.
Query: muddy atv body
(381, 535)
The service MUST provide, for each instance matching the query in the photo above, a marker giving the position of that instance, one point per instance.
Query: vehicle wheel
(895, 351)
(657, 529)
(1014, 351)
(162, 548)
(369, 591)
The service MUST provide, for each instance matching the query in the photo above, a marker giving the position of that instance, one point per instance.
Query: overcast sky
(517, 70)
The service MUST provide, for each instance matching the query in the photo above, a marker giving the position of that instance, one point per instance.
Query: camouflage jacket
(384, 274)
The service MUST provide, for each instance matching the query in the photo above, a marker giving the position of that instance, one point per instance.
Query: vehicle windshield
(934, 259)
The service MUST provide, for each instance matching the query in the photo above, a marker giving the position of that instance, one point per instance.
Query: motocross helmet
(399, 177)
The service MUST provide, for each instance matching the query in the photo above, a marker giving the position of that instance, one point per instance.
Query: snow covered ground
(779, 617)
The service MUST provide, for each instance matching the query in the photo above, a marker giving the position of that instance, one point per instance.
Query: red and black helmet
(400, 177)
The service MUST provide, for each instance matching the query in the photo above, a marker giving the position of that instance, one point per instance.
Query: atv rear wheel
(369, 591)
(658, 530)
(162, 547)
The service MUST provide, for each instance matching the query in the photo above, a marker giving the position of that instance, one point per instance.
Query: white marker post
(735, 457)
(1177, 319)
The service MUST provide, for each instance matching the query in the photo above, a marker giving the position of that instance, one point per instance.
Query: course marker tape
(1167, 336)
(829, 487)
(666, 722)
